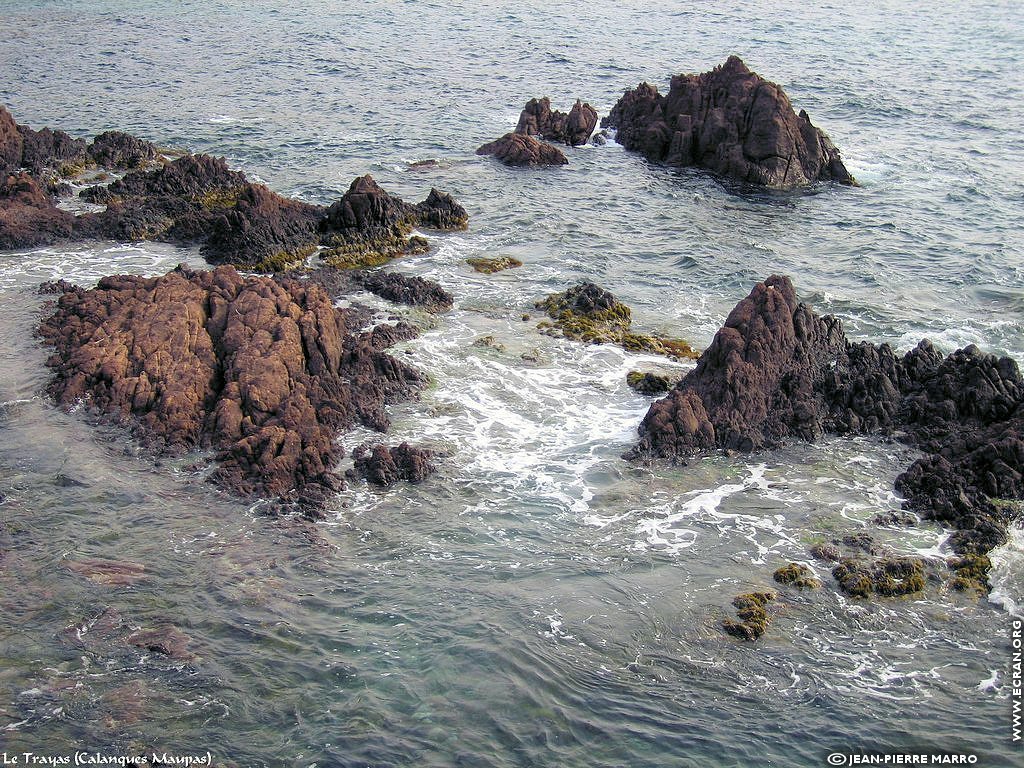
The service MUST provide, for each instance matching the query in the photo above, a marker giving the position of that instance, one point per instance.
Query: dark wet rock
(264, 372)
(796, 575)
(165, 640)
(895, 519)
(367, 226)
(647, 383)
(497, 264)
(828, 553)
(109, 573)
(586, 312)
(889, 577)
(122, 151)
(538, 119)
(403, 289)
(11, 143)
(385, 336)
(862, 542)
(520, 150)
(751, 610)
(263, 231)
(46, 149)
(54, 287)
(28, 216)
(384, 466)
(777, 371)
(600, 138)
(730, 121)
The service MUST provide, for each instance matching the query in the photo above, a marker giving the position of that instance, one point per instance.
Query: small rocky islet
(266, 371)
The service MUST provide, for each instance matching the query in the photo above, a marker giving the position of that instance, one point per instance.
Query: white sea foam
(1007, 574)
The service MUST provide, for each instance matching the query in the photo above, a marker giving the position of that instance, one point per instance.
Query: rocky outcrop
(730, 121)
(752, 612)
(121, 151)
(199, 200)
(264, 372)
(367, 226)
(520, 150)
(796, 575)
(888, 577)
(538, 119)
(385, 466)
(403, 289)
(647, 383)
(777, 371)
(28, 215)
(586, 312)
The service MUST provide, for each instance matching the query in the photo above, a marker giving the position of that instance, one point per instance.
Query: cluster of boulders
(777, 371)
(522, 148)
(730, 121)
(199, 200)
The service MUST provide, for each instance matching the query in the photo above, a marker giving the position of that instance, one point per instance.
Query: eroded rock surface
(777, 371)
(574, 128)
(730, 121)
(521, 150)
(265, 372)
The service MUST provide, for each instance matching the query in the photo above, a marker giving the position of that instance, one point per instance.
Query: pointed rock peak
(365, 185)
(734, 64)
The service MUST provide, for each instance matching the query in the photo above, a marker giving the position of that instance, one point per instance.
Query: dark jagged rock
(888, 577)
(46, 149)
(520, 150)
(538, 119)
(367, 226)
(262, 371)
(895, 519)
(403, 289)
(796, 575)
(730, 121)
(122, 151)
(777, 371)
(586, 312)
(862, 542)
(752, 613)
(384, 466)
(648, 383)
(263, 231)
(11, 143)
(28, 216)
(178, 203)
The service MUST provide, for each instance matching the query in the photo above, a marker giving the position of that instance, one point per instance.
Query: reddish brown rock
(263, 371)
(11, 143)
(538, 119)
(730, 121)
(777, 371)
(122, 151)
(28, 216)
(518, 149)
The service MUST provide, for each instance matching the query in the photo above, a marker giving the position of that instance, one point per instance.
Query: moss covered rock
(587, 312)
(796, 575)
(887, 576)
(752, 614)
(490, 266)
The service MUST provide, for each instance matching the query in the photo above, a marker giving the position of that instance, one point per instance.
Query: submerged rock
(574, 129)
(497, 264)
(586, 312)
(264, 372)
(777, 371)
(520, 150)
(384, 466)
(730, 121)
(751, 610)
(888, 577)
(796, 575)
(109, 573)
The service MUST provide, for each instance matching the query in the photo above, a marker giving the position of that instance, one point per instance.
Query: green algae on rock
(796, 575)
(586, 312)
(753, 616)
(887, 576)
(489, 266)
